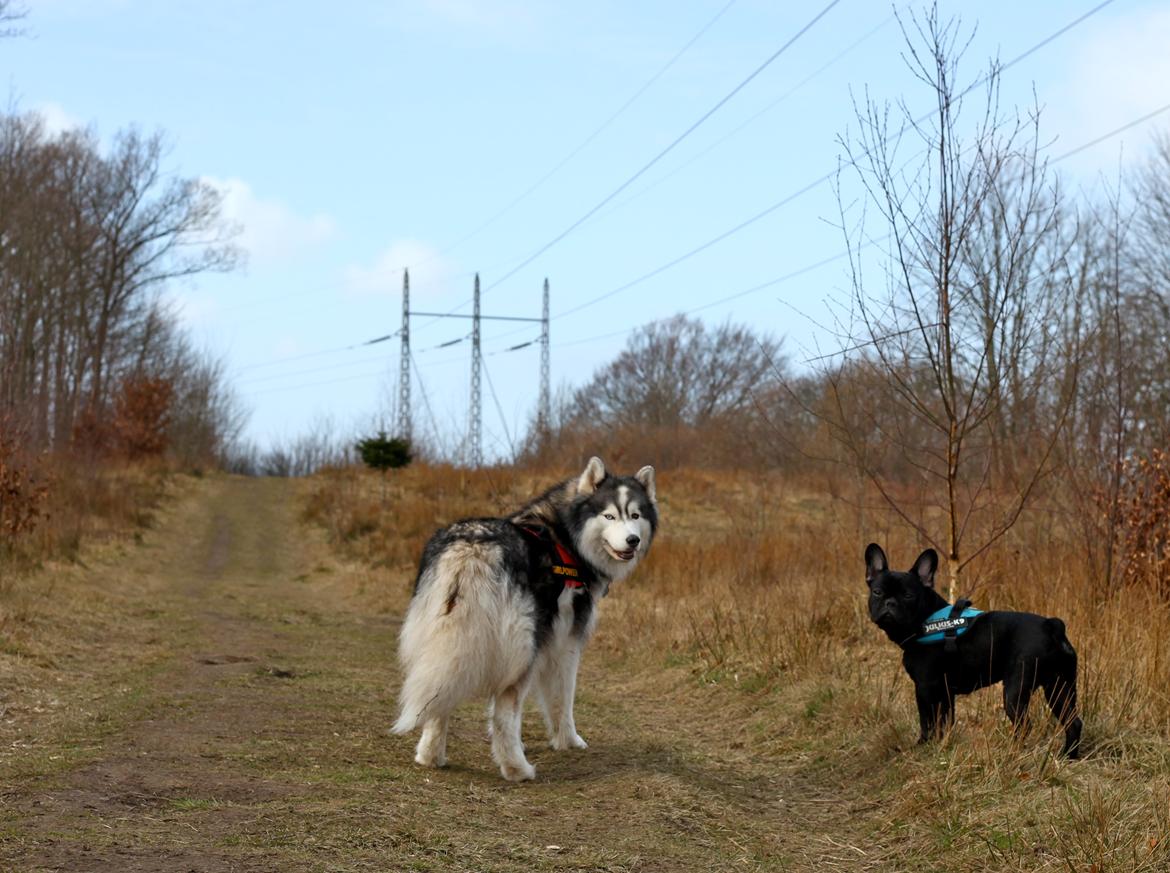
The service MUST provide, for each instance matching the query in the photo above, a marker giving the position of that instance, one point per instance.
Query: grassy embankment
(756, 584)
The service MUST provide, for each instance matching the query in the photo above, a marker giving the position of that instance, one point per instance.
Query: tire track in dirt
(98, 818)
(261, 745)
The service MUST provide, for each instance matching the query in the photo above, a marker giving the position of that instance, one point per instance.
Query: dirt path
(249, 734)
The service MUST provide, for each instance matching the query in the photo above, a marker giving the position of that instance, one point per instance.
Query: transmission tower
(475, 416)
(544, 407)
(404, 423)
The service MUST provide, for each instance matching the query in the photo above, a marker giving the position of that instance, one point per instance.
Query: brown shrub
(1143, 513)
(142, 414)
(23, 487)
(91, 436)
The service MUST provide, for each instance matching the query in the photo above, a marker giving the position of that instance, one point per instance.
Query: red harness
(564, 563)
(567, 568)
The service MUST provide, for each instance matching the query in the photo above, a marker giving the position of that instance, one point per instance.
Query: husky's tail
(460, 635)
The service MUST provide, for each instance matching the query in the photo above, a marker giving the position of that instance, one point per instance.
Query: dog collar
(563, 564)
(949, 622)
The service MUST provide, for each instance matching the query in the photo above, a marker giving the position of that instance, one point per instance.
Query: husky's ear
(925, 566)
(646, 477)
(875, 562)
(591, 478)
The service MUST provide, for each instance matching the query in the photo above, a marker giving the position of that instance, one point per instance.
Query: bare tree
(964, 329)
(10, 14)
(680, 372)
(151, 230)
(87, 242)
(1147, 268)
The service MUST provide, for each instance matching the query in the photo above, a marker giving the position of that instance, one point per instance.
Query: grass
(84, 502)
(218, 697)
(756, 585)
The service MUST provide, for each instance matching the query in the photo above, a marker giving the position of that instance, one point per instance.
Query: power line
(249, 380)
(1001, 68)
(499, 409)
(596, 133)
(751, 220)
(752, 290)
(303, 385)
(810, 267)
(706, 115)
(581, 147)
(422, 389)
(768, 210)
(1044, 42)
(708, 305)
(333, 351)
(755, 289)
(816, 183)
(784, 201)
(1112, 133)
(751, 119)
(686, 255)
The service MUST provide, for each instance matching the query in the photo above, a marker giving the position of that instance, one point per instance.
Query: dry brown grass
(756, 583)
(84, 503)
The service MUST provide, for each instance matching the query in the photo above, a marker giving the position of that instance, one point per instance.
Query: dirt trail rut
(259, 742)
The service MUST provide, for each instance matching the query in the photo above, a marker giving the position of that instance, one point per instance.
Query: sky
(450, 137)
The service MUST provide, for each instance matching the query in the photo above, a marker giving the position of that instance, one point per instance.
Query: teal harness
(946, 625)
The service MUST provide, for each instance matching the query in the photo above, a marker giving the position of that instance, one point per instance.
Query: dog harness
(946, 625)
(563, 564)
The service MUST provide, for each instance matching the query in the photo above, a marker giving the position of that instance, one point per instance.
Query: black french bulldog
(1022, 650)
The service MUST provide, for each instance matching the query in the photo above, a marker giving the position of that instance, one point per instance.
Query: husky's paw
(520, 772)
(561, 742)
(430, 760)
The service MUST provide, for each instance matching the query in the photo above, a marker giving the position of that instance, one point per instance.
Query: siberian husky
(504, 605)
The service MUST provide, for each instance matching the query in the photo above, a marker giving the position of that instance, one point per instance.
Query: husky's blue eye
(608, 517)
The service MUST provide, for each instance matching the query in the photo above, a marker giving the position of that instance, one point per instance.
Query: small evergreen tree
(384, 453)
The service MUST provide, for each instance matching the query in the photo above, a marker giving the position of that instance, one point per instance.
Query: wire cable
(750, 120)
(596, 133)
(499, 407)
(576, 151)
(302, 385)
(784, 201)
(706, 115)
(333, 351)
(826, 261)
(250, 380)
(708, 305)
(422, 389)
(1112, 133)
(754, 289)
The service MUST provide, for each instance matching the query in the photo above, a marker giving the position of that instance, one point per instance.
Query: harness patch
(949, 622)
(563, 564)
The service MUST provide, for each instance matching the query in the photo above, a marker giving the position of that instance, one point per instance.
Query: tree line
(92, 359)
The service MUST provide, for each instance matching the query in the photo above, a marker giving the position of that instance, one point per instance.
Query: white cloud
(56, 119)
(1121, 72)
(269, 229)
(428, 271)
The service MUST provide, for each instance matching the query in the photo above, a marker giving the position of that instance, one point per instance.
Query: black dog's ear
(875, 562)
(925, 566)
